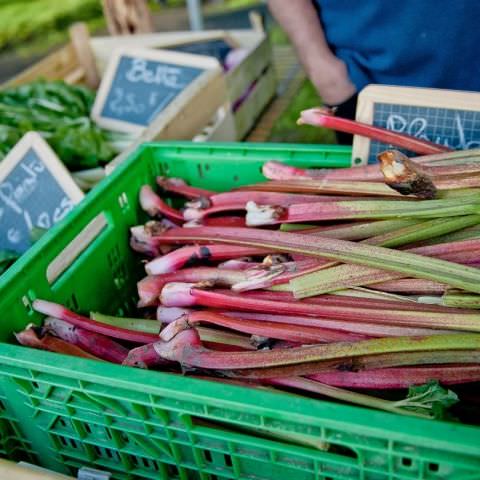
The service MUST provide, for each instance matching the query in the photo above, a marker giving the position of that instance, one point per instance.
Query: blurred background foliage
(31, 28)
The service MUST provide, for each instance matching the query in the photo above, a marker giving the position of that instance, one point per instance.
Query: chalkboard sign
(36, 190)
(217, 47)
(139, 84)
(447, 117)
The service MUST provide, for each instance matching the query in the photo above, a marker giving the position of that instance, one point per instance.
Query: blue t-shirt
(422, 43)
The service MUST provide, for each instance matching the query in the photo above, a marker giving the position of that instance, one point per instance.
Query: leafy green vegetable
(61, 114)
(429, 398)
(6, 259)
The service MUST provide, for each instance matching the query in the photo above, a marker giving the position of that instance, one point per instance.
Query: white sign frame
(414, 96)
(175, 58)
(34, 141)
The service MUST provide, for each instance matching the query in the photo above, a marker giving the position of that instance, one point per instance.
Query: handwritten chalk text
(418, 127)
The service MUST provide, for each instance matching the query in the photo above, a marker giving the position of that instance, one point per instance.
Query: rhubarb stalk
(323, 117)
(346, 276)
(258, 215)
(404, 176)
(155, 206)
(386, 378)
(410, 264)
(58, 311)
(30, 337)
(186, 349)
(98, 345)
(185, 295)
(188, 255)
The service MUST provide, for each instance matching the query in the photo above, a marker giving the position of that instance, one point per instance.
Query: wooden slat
(291, 77)
(56, 65)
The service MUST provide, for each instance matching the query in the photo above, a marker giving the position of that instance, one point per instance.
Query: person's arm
(328, 73)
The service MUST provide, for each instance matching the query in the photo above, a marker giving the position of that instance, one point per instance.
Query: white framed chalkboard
(36, 190)
(140, 84)
(447, 117)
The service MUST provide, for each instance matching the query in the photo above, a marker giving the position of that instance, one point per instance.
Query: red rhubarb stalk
(198, 214)
(351, 301)
(359, 328)
(143, 237)
(179, 186)
(238, 264)
(412, 286)
(30, 338)
(223, 221)
(147, 356)
(273, 198)
(280, 331)
(170, 314)
(155, 206)
(279, 171)
(99, 345)
(258, 215)
(324, 117)
(383, 378)
(191, 254)
(149, 288)
(59, 311)
(185, 295)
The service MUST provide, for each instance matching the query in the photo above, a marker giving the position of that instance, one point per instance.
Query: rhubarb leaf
(430, 398)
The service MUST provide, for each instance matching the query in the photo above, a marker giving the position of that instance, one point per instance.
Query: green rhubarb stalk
(425, 401)
(416, 232)
(356, 231)
(450, 158)
(153, 326)
(292, 227)
(227, 338)
(461, 300)
(426, 230)
(136, 324)
(463, 234)
(361, 292)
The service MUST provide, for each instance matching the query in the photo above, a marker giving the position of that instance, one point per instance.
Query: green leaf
(430, 398)
(61, 114)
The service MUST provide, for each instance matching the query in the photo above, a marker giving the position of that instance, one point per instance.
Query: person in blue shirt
(346, 44)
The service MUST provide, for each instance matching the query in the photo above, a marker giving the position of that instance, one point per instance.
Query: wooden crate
(206, 105)
(256, 67)
(180, 124)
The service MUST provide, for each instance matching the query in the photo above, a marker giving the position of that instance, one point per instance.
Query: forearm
(300, 21)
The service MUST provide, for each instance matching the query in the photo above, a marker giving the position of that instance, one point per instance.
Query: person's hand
(332, 81)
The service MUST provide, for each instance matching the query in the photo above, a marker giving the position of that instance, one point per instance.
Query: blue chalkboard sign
(35, 191)
(140, 84)
(446, 117)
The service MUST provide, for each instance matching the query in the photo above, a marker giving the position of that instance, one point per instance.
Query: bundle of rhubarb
(334, 283)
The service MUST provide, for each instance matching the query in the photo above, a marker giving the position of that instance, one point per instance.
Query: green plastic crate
(150, 425)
